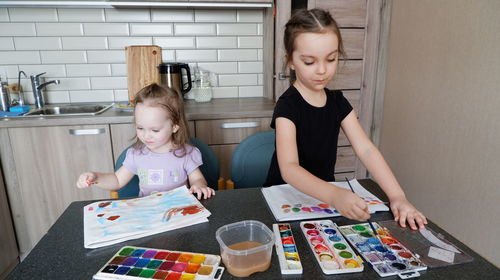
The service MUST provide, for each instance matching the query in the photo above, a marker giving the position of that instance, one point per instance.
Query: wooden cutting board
(142, 63)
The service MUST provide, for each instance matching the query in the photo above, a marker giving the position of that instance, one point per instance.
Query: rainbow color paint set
(136, 263)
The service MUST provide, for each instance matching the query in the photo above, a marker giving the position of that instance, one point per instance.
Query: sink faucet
(37, 89)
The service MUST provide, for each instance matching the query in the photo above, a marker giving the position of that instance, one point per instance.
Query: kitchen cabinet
(41, 165)
(9, 254)
(224, 135)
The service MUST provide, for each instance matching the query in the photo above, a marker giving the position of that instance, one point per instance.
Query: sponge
(20, 109)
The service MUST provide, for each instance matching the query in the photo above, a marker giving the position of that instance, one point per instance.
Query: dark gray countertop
(221, 108)
(60, 253)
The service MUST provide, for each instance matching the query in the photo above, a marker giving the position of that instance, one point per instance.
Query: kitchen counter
(220, 108)
(60, 253)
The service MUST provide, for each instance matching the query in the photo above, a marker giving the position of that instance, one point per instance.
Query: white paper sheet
(289, 204)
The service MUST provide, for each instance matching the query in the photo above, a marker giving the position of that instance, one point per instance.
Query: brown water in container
(244, 265)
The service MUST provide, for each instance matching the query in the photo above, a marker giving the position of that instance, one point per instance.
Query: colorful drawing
(110, 222)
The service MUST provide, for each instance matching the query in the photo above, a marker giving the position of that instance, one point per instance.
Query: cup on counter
(202, 88)
(246, 247)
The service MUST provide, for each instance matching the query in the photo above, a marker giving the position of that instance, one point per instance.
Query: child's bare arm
(108, 181)
(348, 204)
(199, 185)
(403, 210)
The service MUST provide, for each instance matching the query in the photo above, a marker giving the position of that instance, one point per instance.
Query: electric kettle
(171, 76)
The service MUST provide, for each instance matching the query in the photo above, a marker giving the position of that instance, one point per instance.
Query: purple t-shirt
(161, 172)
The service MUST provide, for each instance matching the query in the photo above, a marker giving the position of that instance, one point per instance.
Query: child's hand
(86, 180)
(350, 205)
(202, 191)
(405, 212)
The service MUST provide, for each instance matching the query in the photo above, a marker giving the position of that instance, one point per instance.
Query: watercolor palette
(386, 254)
(286, 249)
(139, 263)
(333, 253)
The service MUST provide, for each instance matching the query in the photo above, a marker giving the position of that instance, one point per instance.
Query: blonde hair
(168, 99)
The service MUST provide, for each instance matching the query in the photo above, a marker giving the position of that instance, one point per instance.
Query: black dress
(317, 131)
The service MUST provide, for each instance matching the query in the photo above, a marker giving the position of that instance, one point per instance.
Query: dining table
(60, 254)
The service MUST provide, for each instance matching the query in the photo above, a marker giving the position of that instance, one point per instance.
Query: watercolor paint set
(139, 263)
(286, 249)
(387, 255)
(332, 252)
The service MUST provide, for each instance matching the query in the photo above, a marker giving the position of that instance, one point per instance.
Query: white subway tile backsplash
(8, 71)
(172, 15)
(119, 69)
(53, 57)
(72, 84)
(250, 67)
(122, 42)
(236, 29)
(80, 15)
(6, 44)
(57, 97)
(17, 29)
(216, 42)
(215, 15)
(253, 42)
(127, 15)
(4, 15)
(37, 43)
(238, 80)
(260, 29)
(52, 70)
(237, 55)
(174, 42)
(84, 43)
(168, 55)
(253, 91)
(19, 57)
(108, 82)
(105, 29)
(111, 56)
(250, 15)
(88, 70)
(59, 29)
(219, 67)
(84, 48)
(32, 14)
(260, 54)
(225, 92)
(196, 55)
(194, 29)
(153, 29)
(120, 95)
(80, 96)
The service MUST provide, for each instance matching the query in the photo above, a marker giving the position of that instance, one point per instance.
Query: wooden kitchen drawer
(346, 160)
(229, 131)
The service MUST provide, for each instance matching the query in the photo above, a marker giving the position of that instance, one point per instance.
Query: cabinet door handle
(240, 125)
(93, 131)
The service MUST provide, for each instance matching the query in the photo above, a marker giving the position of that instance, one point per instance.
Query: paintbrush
(369, 222)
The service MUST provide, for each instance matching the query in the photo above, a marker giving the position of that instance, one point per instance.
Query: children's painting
(114, 221)
(289, 204)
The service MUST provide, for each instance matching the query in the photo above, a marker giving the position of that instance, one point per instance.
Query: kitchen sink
(69, 110)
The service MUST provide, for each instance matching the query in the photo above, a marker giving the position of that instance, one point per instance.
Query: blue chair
(210, 169)
(251, 160)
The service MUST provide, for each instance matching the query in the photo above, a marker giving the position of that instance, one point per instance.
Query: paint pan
(331, 250)
(286, 249)
(137, 263)
(387, 256)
